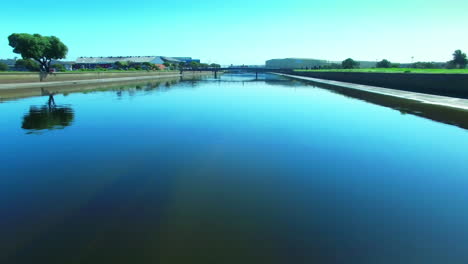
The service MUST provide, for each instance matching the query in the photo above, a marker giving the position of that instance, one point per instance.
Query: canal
(231, 170)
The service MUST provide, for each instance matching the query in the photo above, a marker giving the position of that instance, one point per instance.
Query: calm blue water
(229, 171)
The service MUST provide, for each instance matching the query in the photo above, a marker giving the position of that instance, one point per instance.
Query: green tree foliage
(215, 65)
(384, 64)
(146, 66)
(350, 64)
(42, 49)
(450, 65)
(424, 65)
(182, 65)
(332, 66)
(194, 65)
(459, 59)
(3, 67)
(59, 67)
(170, 66)
(28, 64)
(121, 65)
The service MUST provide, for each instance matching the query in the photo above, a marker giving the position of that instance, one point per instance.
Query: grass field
(395, 70)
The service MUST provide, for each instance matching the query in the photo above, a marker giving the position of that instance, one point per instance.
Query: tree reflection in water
(48, 117)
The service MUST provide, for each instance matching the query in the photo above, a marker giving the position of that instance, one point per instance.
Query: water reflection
(48, 117)
(443, 114)
(269, 79)
(147, 87)
(152, 85)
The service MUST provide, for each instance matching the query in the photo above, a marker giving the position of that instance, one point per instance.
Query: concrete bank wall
(106, 79)
(455, 85)
(22, 90)
(71, 76)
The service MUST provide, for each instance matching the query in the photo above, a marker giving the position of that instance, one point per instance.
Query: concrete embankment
(455, 85)
(23, 90)
(92, 78)
(33, 77)
(446, 101)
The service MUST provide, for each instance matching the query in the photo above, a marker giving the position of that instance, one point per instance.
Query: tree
(59, 67)
(332, 66)
(121, 65)
(424, 65)
(3, 67)
(194, 65)
(28, 64)
(350, 64)
(450, 65)
(214, 65)
(459, 59)
(384, 64)
(42, 49)
(146, 66)
(182, 65)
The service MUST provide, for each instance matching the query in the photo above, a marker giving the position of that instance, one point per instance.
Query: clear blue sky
(244, 31)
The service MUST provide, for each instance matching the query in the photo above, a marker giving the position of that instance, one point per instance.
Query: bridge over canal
(255, 70)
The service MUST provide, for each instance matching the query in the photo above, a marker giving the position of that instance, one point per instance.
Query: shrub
(350, 64)
(384, 64)
(3, 67)
(28, 64)
(121, 65)
(424, 65)
(59, 67)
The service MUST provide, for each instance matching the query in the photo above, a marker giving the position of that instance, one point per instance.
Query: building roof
(62, 62)
(183, 58)
(171, 59)
(110, 60)
(136, 59)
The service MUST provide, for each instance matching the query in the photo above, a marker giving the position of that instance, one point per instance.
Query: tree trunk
(44, 70)
(42, 76)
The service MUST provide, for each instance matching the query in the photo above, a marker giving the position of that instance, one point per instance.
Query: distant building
(295, 63)
(186, 59)
(108, 62)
